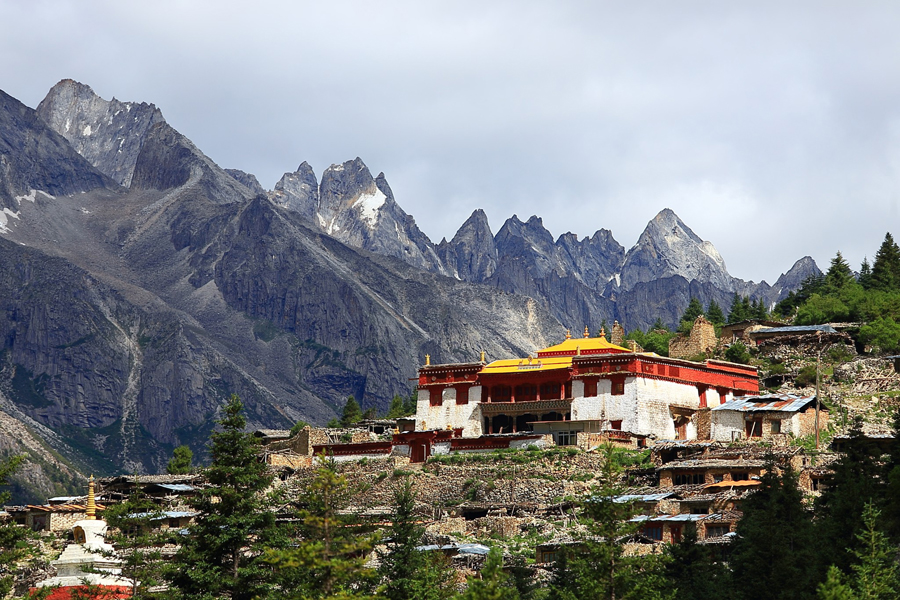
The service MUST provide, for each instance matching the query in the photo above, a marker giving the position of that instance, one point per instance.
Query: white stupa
(90, 552)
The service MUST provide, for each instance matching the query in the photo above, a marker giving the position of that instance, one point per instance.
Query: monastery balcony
(527, 406)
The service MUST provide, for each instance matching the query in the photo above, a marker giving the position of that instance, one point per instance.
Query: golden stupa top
(555, 357)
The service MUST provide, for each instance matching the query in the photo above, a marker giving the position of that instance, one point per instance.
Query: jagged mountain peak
(108, 133)
(668, 247)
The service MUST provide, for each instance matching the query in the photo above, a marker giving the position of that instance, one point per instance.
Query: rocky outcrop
(109, 134)
(248, 180)
(472, 254)
(34, 158)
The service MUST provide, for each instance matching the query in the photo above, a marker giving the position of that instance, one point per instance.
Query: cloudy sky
(772, 129)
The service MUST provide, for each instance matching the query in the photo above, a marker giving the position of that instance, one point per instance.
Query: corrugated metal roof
(643, 497)
(769, 402)
(460, 548)
(176, 487)
(685, 518)
(795, 329)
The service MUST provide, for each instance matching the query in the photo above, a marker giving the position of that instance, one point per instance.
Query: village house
(766, 417)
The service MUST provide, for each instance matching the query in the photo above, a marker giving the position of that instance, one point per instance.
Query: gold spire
(482, 356)
(91, 503)
(587, 333)
(427, 360)
(603, 332)
(577, 350)
(568, 334)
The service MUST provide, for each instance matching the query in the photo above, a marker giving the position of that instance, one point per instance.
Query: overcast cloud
(772, 129)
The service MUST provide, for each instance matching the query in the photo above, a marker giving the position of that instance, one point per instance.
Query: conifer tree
(714, 313)
(692, 570)
(11, 535)
(180, 464)
(886, 268)
(834, 587)
(408, 573)
(853, 482)
(352, 413)
(493, 584)
(396, 409)
(865, 274)
(220, 558)
(875, 571)
(328, 559)
(737, 313)
(694, 309)
(773, 550)
(838, 275)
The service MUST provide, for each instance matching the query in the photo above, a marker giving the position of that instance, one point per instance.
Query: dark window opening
(654, 532)
(688, 479)
(436, 396)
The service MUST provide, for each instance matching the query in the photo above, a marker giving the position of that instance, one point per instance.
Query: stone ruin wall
(701, 340)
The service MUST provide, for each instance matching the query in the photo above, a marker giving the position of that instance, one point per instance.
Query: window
(754, 428)
(699, 510)
(653, 531)
(617, 424)
(590, 387)
(740, 476)
(776, 426)
(436, 396)
(688, 479)
(566, 438)
(548, 556)
(462, 394)
(618, 386)
(718, 478)
(717, 530)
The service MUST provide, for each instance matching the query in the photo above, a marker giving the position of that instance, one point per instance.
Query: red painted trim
(351, 449)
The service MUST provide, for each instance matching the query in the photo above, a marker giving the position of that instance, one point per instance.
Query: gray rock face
(34, 158)
(109, 134)
(298, 192)
(667, 248)
(248, 180)
(471, 255)
(358, 210)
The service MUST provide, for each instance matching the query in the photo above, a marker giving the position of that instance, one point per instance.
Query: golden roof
(525, 365)
(595, 345)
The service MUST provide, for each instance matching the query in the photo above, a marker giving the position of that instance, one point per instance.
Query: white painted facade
(467, 416)
(726, 425)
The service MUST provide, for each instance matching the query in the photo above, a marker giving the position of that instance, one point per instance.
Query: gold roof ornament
(587, 333)
(577, 350)
(602, 332)
(482, 356)
(568, 334)
(91, 502)
(427, 360)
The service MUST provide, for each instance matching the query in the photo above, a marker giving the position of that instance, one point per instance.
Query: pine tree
(328, 559)
(180, 464)
(875, 572)
(838, 275)
(408, 573)
(352, 413)
(773, 550)
(396, 409)
(409, 404)
(714, 313)
(11, 535)
(865, 275)
(834, 588)
(694, 309)
(494, 584)
(886, 268)
(135, 533)
(737, 313)
(234, 514)
(853, 482)
(692, 570)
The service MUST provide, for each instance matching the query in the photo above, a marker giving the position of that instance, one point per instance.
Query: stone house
(766, 417)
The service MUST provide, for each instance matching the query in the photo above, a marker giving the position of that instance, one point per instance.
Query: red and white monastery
(581, 384)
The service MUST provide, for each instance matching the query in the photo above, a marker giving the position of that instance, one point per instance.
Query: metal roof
(176, 487)
(460, 548)
(643, 497)
(684, 518)
(795, 329)
(769, 402)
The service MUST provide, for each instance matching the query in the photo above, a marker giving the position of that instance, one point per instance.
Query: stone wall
(701, 340)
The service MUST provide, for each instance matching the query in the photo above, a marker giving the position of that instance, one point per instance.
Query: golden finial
(427, 360)
(91, 503)
(482, 356)
(602, 332)
(577, 350)
(587, 333)
(568, 334)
